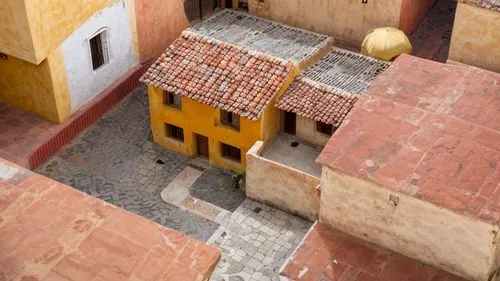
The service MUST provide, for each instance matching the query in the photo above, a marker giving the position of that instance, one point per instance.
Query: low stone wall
(281, 186)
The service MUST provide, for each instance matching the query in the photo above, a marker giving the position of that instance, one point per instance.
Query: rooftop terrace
(262, 35)
(429, 130)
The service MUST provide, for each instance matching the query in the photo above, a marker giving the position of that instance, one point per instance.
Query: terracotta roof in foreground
(328, 90)
(327, 254)
(219, 74)
(49, 231)
(428, 130)
(258, 34)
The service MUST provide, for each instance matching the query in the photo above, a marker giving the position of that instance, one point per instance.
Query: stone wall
(281, 186)
(476, 37)
(407, 225)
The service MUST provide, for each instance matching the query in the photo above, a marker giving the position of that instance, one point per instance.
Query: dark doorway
(290, 123)
(229, 4)
(197, 10)
(202, 146)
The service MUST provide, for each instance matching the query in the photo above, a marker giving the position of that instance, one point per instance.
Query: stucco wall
(281, 186)
(476, 37)
(39, 27)
(306, 130)
(159, 22)
(412, 12)
(348, 20)
(412, 227)
(84, 82)
(41, 89)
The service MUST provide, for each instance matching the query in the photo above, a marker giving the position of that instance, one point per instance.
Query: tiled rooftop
(488, 4)
(329, 255)
(49, 231)
(219, 74)
(429, 130)
(328, 90)
(262, 35)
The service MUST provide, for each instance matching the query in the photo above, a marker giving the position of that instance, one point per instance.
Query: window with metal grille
(99, 50)
(324, 128)
(172, 100)
(174, 132)
(231, 152)
(229, 119)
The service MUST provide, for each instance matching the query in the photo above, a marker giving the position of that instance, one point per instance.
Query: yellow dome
(386, 43)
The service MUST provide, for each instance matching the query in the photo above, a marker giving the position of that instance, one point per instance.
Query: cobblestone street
(114, 161)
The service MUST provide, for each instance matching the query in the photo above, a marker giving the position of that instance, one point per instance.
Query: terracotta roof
(317, 101)
(328, 90)
(429, 130)
(262, 35)
(219, 74)
(330, 255)
(50, 231)
(487, 4)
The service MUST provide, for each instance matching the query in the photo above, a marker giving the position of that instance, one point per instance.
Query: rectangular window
(172, 100)
(174, 132)
(99, 50)
(231, 152)
(325, 128)
(229, 119)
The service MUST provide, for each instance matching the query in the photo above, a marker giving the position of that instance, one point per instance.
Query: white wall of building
(84, 82)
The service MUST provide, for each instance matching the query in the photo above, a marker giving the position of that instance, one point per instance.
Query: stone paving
(256, 240)
(114, 161)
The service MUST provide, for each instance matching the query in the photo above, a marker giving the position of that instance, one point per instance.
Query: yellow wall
(31, 29)
(348, 20)
(476, 37)
(41, 89)
(197, 118)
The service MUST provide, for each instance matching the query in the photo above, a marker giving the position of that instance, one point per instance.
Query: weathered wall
(84, 82)
(476, 37)
(412, 11)
(41, 89)
(31, 29)
(306, 130)
(348, 20)
(281, 186)
(412, 227)
(158, 22)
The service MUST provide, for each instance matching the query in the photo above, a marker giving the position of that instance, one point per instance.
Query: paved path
(113, 160)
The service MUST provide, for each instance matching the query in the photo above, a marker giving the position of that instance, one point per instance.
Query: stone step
(328, 254)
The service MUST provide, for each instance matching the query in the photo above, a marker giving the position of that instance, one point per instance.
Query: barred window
(231, 152)
(324, 128)
(229, 119)
(99, 50)
(172, 99)
(174, 132)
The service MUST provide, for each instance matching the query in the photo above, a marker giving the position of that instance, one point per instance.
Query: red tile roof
(330, 255)
(317, 101)
(49, 231)
(429, 130)
(219, 74)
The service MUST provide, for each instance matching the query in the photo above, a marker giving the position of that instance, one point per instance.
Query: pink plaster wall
(412, 11)
(158, 22)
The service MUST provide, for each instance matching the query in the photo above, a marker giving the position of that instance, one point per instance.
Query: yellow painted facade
(32, 29)
(197, 118)
(41, 89)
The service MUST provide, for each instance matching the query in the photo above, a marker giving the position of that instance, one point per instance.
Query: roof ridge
(254, 53)
(324, 87)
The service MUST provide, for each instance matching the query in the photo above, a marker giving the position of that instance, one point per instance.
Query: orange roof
(219, 74)
(330, 255)
(49, 231)
(429, 130)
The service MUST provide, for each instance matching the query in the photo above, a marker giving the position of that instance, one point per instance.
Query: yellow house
(212, 92)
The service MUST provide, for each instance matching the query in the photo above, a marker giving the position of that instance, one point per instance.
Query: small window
(174, 132)
(231, 152)
(99, 50)
(325, 128)
(172, 100)
(229, 119)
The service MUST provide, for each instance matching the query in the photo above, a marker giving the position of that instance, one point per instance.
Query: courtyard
(115, 161)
